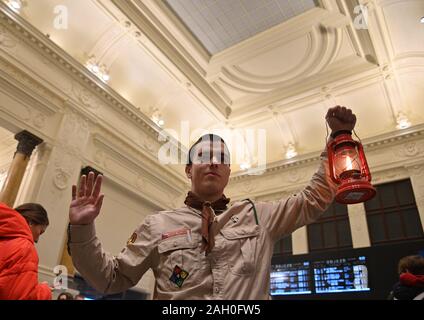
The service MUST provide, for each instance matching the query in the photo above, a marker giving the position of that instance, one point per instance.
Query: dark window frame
(398, 208)
(279, 248)
(330, 216)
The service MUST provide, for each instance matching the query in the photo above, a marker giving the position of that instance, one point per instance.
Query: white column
(300, 241)
(358, 225)
(52, 186)
(417, 181)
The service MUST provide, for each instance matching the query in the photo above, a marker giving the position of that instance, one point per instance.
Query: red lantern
(349, 169)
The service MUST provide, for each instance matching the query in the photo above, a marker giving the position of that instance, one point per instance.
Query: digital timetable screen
(290, 278)
(318, 277)
(341, 275)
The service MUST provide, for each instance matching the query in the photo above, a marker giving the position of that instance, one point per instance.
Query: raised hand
(87, 201)
(340, 118)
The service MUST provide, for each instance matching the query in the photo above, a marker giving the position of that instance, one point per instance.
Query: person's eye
(225, 159)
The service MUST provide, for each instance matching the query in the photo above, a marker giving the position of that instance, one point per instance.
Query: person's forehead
(214, 146)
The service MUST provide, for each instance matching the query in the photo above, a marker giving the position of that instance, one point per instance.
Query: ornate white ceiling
(281, 80)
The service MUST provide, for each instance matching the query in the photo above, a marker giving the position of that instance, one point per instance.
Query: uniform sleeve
(286, 215)
(107, 273)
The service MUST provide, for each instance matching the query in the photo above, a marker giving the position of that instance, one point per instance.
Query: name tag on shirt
(178, 232)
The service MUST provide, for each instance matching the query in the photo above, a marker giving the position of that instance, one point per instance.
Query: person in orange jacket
(20, 228)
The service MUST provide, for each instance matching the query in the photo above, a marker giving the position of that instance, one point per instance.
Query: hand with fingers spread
(340, 119)
(87, 201)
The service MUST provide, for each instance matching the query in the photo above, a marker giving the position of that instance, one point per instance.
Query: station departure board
(319, 277)
(341, 275)
(291, 278)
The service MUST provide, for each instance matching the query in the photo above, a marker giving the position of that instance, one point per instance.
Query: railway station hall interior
(212, 149)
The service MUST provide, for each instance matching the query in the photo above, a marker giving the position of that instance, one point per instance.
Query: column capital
(27, 142)
(86, 170)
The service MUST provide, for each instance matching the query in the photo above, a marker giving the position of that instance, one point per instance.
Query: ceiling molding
(110, 150)
(302, 88)
(29, 89)
(370, 144)
(49, 49)
(269, 39)
(150, 26)
(181, 37)
(132, 152)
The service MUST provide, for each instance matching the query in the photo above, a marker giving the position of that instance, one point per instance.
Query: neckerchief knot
(208, 216)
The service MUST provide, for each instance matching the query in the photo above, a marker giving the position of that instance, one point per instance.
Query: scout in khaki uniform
(205, 249)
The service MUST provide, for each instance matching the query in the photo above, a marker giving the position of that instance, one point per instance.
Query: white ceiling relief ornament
(140, 182)
(61, 178)
(84, 96)
(412, 149)
(99, 157)
(248, 186)
(39, 120)
(6, 41)
(296, 175)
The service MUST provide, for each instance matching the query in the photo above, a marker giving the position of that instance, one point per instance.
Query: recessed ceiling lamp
(422, 20)
(157, 118)
(402, 121)
(291, 151)
(15, 5)
(99, 70)
(245, 165)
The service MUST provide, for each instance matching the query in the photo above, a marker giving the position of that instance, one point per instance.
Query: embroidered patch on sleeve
(132, 239)
(178, 276)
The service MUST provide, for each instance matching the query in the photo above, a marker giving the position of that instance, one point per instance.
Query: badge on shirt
(178, 276)
(132, 239)
(178, 232)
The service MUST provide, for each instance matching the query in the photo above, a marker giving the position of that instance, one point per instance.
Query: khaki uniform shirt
(238, 266)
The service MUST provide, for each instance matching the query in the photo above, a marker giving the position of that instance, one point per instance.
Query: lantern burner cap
(355, 192)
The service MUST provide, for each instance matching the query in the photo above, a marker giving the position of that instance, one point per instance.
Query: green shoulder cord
(254, 210)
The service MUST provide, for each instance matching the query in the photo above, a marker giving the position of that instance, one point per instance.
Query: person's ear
(188, 171)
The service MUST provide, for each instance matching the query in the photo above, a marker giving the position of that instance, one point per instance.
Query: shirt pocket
(242, 246)
(177, 251)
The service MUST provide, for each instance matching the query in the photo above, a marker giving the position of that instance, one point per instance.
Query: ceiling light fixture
(245, 165)
(99, 70)
(422, 20)
(15, 5)
(157, 118)
(402, 121)
(291, 151)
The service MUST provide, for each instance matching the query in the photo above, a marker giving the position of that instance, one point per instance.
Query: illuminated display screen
(341, 275)
(317, 277)
(291, 278)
